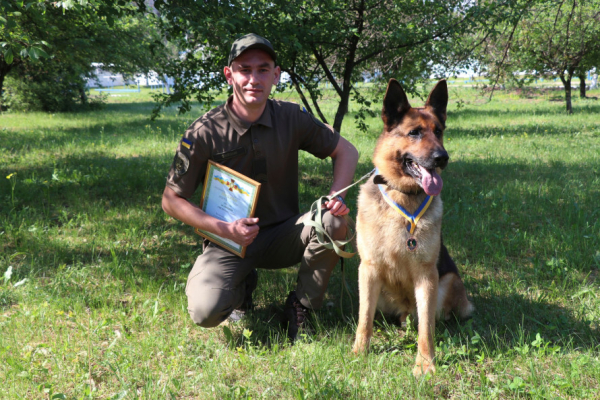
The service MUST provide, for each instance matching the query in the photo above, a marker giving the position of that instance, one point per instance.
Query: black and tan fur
(393, 279)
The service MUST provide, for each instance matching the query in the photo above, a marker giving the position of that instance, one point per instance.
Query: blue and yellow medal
(413, 219)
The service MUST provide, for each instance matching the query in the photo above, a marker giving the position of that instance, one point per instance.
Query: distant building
(108, 79)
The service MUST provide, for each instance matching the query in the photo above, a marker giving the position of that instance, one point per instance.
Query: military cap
(251, 41)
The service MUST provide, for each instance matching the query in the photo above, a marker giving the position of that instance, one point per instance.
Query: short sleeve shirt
(266, 151)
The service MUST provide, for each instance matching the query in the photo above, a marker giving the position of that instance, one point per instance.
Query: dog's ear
(438, 100)
(395, 104)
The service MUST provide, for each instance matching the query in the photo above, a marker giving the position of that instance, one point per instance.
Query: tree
(558, 38)
(18, 44)
(590, 61)
(333, 41)
(53, 47)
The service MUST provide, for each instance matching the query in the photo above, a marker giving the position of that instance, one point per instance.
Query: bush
(49, 87)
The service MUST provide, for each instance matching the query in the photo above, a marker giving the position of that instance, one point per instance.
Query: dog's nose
(440, 157)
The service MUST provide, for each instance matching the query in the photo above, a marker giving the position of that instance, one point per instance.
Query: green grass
(95, 306)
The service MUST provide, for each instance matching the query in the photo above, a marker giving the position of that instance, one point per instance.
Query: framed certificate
(227, 195)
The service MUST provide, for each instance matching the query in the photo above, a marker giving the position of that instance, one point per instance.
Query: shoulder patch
(181, 163)
(186, 143)
(302, 108)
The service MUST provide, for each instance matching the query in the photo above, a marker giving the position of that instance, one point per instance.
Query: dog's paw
(423, 369)
(361, 346)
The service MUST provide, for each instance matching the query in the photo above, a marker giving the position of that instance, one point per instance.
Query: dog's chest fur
(381, 242)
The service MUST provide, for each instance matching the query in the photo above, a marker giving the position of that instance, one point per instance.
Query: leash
(353, 184)
(316, 222)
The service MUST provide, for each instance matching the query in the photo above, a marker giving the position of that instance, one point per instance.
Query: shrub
(48, 87)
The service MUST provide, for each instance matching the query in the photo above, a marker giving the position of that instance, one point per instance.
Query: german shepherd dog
(405, 268)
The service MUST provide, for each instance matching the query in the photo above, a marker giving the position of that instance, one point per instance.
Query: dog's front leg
(369, 288)
(426, 295)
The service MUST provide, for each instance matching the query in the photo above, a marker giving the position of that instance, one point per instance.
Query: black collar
(380, 180)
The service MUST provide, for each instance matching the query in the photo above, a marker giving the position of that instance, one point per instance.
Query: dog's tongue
(431, 181)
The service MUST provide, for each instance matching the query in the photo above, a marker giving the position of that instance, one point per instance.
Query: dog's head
(410, 153)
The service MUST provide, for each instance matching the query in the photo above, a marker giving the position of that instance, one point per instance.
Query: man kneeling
(260, 138)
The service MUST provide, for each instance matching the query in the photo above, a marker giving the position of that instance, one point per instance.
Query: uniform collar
(242, 126)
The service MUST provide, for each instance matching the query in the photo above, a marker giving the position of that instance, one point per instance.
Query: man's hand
(244, 230)
(337, 207)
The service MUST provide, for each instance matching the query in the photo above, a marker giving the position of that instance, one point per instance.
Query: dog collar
(412, 219)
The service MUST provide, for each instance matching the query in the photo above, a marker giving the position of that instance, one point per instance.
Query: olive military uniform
(266, 151)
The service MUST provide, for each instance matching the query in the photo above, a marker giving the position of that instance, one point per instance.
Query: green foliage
(548, 39)
(16, 44)
(338, 43)
(558, 39)
(49, 49)
(50, 91)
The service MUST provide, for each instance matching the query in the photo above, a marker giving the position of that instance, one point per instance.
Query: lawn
(93, 272)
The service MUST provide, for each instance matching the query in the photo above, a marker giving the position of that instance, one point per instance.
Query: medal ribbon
(412, 219)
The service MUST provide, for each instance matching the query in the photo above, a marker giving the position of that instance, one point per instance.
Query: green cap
(251, 41)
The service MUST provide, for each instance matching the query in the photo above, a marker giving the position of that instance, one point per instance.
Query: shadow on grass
(547, 130)
(146, 107)
(77, 182)
(513, 320)
(504, 323)
(512, 110)
(113, 125)
(506, 227)
(109, 132)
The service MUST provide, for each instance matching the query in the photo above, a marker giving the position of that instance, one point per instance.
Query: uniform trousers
(216, 284)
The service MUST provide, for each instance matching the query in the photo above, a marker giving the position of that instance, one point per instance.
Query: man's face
(252, 75)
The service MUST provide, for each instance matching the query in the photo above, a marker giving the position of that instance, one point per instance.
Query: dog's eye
(438, 132)
(414, 132)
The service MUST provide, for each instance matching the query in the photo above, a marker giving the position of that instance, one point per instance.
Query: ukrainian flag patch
(186, 143)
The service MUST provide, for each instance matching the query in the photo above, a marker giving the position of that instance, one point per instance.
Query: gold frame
(210, 170)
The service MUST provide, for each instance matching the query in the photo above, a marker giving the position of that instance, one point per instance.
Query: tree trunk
(83, 95)
(1, 88)
(315, 101)
(567, 84)
(582, 85)
(342, 110)
(297, 81)
(300, 92)
(350, 64)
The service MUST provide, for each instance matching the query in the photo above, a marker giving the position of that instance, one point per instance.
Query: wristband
(340, 198)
